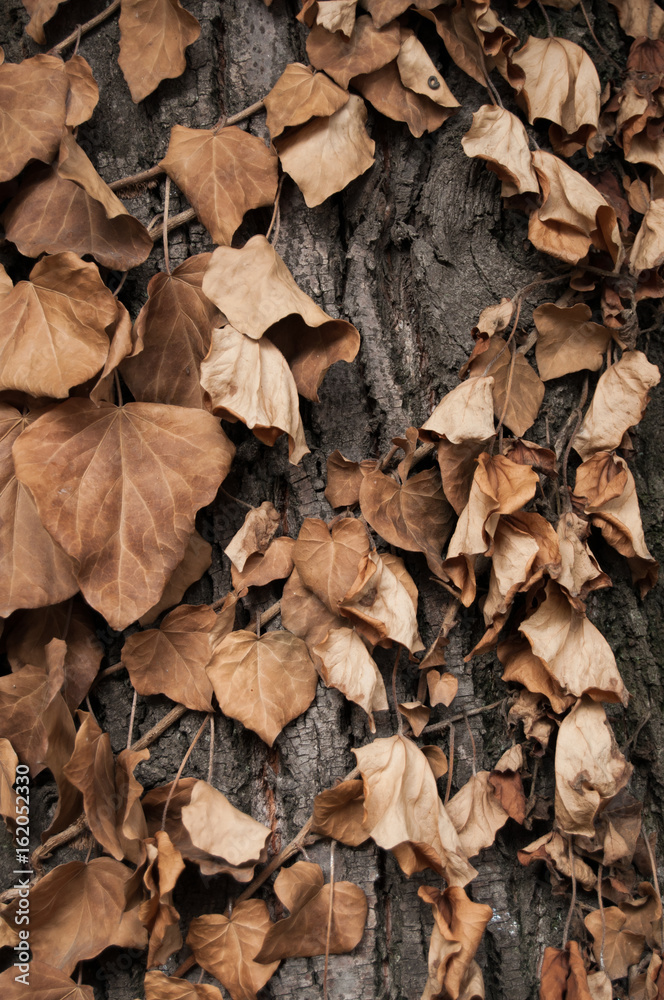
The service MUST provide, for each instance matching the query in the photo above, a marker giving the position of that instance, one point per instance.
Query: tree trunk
(411, 252)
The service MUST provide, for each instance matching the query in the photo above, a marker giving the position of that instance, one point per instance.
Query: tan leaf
(250, 380)
(171, 660)
(25, 699)
(32, 111)
(404, 813)
(328, 559)
(263, 682)
(153, 37)
(158, 986)
(567, 341)
(222, 174)
(40, 12)
(517, 389)
(111, 466)
(65, 909)
(8, 762)
(419, 74)
(442, 688)
(306, 615)
(528, 453)
(69, 207)
(255, 535)
(260, 569)
(499, 137)
(639, 17)
(305, 932)
(338, 813)
(580, 572)
(608, 491)
(196, 560)
(554, 851)
(496, 318)
(226, 947)
(457, 463)
(589, 767)
(300, 94)
(525, 547)
(619, 402)
(477, 814)
(563, 974)
(385, 90)
(367, 49)
(561, 84)
(83, 95)
(454, 27)
(622, 946)
(91, 771)
(325, 155)
(384, 11)
(379, 604)
(523, 667)
(414, 516)
(648, 249)
(175, 326)
(459, 926)
(348, 667)
(54, 327)
(158, 914)
(574, 216)
(45, 983)
(343, 481)
(416, 714)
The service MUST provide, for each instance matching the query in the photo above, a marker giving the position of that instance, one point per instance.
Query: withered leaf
(442, 688)
(175, 325)
(554, 851)
(464, 414)
(25, 699)
(66, 907)
(32, 111)
(384, 11)
(404, 813)
(250, 380)
(343, 481)
(621, 931)
(382, 603)
(223, 175)
(567, 341)
(522, 666)
(338, 813)
(525, 546)
(263, 682)
(226, 947)
(196, 560)
(477, 814)
(367, 49)
(8, 762)
(260, 569)
(83, 94)
(517, 389)
(40, 12)
(171, 660)
(325, 155)
(327, 559)
(348, 667)
(158, 914)
(306, 615)
(579, 571)
(416, 714)
(419, 74)
(334, 15)
(113, 511)
(589, 767)
(158, 986)
(305, 932)
(46, 983)
(458, 929)
(648, 248)
(255, 535)
(639, 17)
(153, 37)
(499, 137)
(563, 974)
(619, 402)
(385, 89)
(300, 94)
(54, 327)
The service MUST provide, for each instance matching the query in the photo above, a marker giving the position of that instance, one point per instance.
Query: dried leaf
(380, 604)
(523, 667)
(45, 983)
(226, 947)
(153, 37)
(300, 94)
(83, 95)
(328, 559)
(255, 535)
(8, 762)
(477, 814)
(442, 688)
(579, 572)
(563, 974)
(517, 389)
(127, 530)
(367, 49)
(567, 341)
(157, 986)
(619, 402)
(40, 12)
(32, 111)
(305, 932)
(259, 570)
(404, 813)
(263, 682)
(196, 560)
(554, 851)
(343, 481)
(158, 914)
(459, 926)
(338, 813)
(305, 615)
(348, 667)
(525, 547)
(385, 90)
(419, 74)
(416, 714)
(500, 138)
(639, 17)
(589, 767)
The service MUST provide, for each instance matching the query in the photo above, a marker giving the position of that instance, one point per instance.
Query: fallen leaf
(343, 481)
(579, 571)
(305, 932)
(306, 615)
(534, 713)
(263, 682)
(379, 604)
(40, 12)
(499, 137)
(442, 688)
(255, 535)
(32, 111)
(333, 15)
(517, 389)
(384, 11)
(419, 74)
(563, 974)
(404, 813)
(171, 660)
(348, 667)
(622, 946)
(260, 569)
(589, 767)
(523, 667)
(222, 174)
(567, 341)
(639, 17)
(158, 914)
(648, 249)
(226, 947)
(83, 94)
(619, 402)
(477, 814)
(196, 560)
(554, 851)
(114, 462)
(367, 49)
(25, 698)
(45, 982)
(153, 37)
(459, 926)
(339, 811)
(300, 94)
(158, 986)
(328, 558)
(416, 714)
(385, 89)
(8, 762)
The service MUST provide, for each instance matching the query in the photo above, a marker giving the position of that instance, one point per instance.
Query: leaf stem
(437, 726)
(328, 936)
(83, 29)
(570, 854)
(167, 199)
(186, 757)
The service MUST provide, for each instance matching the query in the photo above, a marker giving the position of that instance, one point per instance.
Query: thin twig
(186, 757)
(211, 759)
(472, 741)
(450, 766)
(167, 198)
(83, 29)
(394, 691)
(437, 726)
(508, 392)
(655, 878)
(605, 52)
(134, 179)
(118, 386)
(573, 900)
(579, 417)
(549, 26)
(328, 936)
(247, 113)
(131, 719)
(120, 284)
(153, 734)
(173, 223)
(275, 220)
(185, 966)
(600, 901)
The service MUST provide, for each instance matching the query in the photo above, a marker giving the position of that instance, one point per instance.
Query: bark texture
(410, 253)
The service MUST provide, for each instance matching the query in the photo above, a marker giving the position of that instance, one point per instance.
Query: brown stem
(186, 757)
(549, 26)
(437, 726)
(450, 766)
(131, 719)
(572, 904)
(211, 758)
(605, 52)
(508, 392)
(133, 179)
(276, 215)
(579, 412)
(472, 741)
(394, 691)
(600, 902)
(177, 220)
(185, 966)
(83, 29)
(328, 936)
(167, 199)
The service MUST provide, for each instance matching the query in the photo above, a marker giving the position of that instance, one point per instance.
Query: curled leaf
(153, 37)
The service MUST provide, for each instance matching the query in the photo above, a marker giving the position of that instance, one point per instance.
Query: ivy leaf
(196, 560)
(158, 914)
(348, 666)
(328, 559)
(83, 94)
(367, 49)
(158, 986)
(300, 94)
(32, 111)
(46, 983)
(567, 341)
(499, 137)
(153, 37)
(226, 947)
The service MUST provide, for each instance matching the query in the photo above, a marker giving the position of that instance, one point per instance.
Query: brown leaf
(40, 12)
(404, 813)
(226, 947)
(523, 667)
(158, 914)
(83, 95)
(196, 560)
(334, 15)
(367, 49)
(255, 535)
(442, 688)
(554, 851)
(158, 986)
(517, 389)
(32, 111)
(305, 932)
(579, 572)
(339, 811)
(8, 762)
(171, 660)
(45, 983)
(619, 402)
(348, 667)
(414, 516)
(416, 714)
(263, 682)
(380, 605)
(419, 74)
(69, 207)
(325, 155)
(459, 926)
(384, 89)
(153, 37)
(175, 326)
(76, 912)
(589, 767)
(608, 492)
(567, 341)
(563, 974)
(54, 327)
(328, 559)
(500, 138)
(384, 11)
(300, 94)
(260, 569)
(639, 17)
(126, 527)
(25, 700)
(648, 249)
(343, 481)
(249, 380)
(477, 814)
(222, 174)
